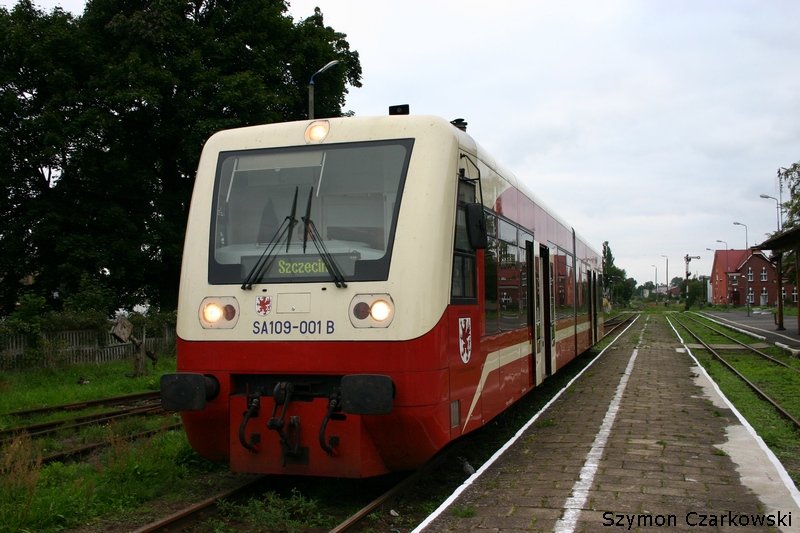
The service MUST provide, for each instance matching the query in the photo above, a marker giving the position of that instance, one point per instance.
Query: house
(739, 277)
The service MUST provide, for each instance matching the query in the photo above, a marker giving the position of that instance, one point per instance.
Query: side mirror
(476, 226)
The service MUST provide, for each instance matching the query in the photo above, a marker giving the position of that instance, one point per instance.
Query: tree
(41, 65)
(696, 291)
(615, 285)
(790, 177)
(103, 119)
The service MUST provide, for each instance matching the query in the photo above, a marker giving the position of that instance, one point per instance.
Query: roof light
(317, 131)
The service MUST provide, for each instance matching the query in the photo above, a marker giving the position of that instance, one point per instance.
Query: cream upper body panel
(418, 282)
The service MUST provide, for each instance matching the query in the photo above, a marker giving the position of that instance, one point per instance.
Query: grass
(57, 496)
(118, 481)
(290, 513)
(778, 433)
(463, 511)
(26, 389)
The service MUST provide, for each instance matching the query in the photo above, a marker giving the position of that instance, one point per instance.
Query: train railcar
(358, 292)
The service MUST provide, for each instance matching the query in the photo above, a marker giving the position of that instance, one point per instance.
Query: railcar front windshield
(272, 200)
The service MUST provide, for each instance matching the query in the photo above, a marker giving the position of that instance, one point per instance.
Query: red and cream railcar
(358, 292)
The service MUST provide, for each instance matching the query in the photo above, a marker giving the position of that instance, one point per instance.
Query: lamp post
(777, 208)
(711, 278)
(655, 283)
(778, 264)
(745, 233)
(746, 247)
(311, 87)
(667, 275)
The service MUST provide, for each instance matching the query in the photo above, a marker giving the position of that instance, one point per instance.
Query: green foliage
(617, 287)
(27, 319)
(463, 511)
(60, 496)
(102, 119)
(790, 177)
(292, 513)
(57, 496)
(696, 292)
(48, 386)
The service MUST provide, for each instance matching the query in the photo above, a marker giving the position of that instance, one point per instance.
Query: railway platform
(763, 324)
(641, 441)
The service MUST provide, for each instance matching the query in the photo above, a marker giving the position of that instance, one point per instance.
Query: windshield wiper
(266, 259)
(319, 244)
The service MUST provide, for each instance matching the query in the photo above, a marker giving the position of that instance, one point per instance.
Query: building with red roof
(739, 277)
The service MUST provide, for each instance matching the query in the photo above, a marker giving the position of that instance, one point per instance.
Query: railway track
(102, 402)
(47, 428)
(768, 380)
(143, 406)
(198, 512)
(617, 322)
(410, 496)
(782, 361)
(81, 451)
(135, 405)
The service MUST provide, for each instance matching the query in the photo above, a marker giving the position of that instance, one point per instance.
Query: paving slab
(642, 441)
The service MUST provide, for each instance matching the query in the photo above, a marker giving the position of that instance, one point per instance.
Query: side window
(565, 283)
(463, 287)
(491, 309)
(513, 311)
(522, 268)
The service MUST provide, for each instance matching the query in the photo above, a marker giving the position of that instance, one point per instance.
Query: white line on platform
(485, 466)
(580, 490)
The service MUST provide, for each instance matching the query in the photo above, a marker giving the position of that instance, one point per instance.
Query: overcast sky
(653, 125)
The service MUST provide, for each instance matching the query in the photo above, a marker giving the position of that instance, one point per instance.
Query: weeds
(75, 383)
(292, 513)
(53, 497)
(19, 476)
(465, 511)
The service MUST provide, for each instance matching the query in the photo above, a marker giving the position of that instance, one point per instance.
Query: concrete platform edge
(790, 495)
(485, 466)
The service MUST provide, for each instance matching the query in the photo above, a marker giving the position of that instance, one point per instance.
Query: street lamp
(779, 264)
(747, 297)
(777, 208)
(745, 233)
(667, 274)
(311, 86)
(711, 278)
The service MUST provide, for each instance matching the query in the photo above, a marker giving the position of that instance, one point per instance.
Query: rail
(716, 355)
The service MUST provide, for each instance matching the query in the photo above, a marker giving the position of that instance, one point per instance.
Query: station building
(741, 277)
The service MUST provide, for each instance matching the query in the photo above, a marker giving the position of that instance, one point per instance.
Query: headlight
(219, 312)
(371, 310)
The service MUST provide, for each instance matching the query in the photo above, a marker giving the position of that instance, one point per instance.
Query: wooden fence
(75, 347)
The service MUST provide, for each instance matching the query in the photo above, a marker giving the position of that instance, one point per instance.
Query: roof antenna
(459, 123)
